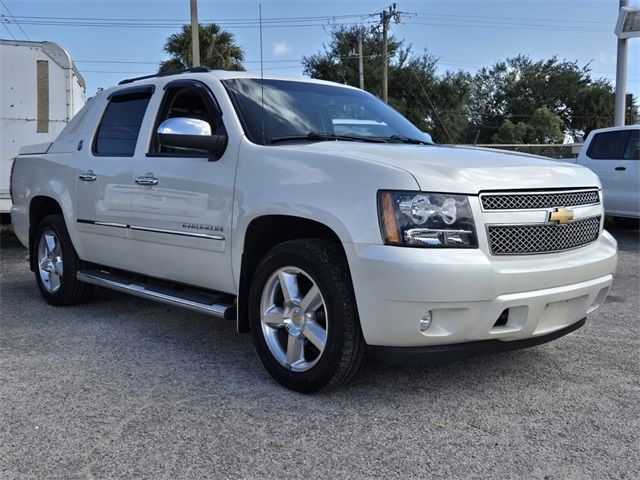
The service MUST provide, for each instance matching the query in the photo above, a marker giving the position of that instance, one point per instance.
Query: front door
(181, 205)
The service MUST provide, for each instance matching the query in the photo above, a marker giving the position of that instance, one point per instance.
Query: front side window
(120, 125)
(608, 145)
(279, 109)
(189, 102)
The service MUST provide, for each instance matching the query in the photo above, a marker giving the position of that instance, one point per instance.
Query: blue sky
(463, 34)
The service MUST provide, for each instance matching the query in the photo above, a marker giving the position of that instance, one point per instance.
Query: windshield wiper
(316, 137)
(405, 139)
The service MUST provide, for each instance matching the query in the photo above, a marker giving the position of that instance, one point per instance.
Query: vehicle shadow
(214, 356)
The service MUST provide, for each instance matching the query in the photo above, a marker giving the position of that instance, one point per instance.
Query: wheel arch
(40, 207)
(262, 234)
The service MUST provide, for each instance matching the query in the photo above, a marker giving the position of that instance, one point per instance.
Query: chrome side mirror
(184, 126)
(193, 134)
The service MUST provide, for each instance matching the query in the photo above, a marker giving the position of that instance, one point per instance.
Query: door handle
(621, 168)
(88, 176)
(146, 180)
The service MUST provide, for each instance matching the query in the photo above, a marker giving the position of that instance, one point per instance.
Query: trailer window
(120, 125)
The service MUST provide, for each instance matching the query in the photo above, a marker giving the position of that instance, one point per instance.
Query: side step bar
(179, 299)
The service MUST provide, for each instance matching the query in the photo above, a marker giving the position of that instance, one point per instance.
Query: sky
(464, 35)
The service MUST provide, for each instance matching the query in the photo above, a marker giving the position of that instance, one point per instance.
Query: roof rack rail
(166, 74)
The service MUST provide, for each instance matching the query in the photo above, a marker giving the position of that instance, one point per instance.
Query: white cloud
(280, 48)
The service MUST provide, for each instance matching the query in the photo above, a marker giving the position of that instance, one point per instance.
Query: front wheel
(303, 316)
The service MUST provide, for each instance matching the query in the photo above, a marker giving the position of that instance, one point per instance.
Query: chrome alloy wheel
(50, 261)
(294, 319)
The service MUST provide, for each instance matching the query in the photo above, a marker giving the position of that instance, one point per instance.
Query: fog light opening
(502, 319)
(425, 322)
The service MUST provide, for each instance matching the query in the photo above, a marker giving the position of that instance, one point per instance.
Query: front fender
(337, 191)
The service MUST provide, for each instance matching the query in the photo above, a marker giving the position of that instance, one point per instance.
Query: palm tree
(217, 49)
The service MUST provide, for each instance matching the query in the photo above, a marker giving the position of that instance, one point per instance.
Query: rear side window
(120, 125)
(608, 145)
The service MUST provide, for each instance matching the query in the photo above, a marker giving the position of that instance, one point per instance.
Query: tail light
(13, 165)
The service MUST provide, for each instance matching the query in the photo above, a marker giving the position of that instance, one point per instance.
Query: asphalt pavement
(125, 388)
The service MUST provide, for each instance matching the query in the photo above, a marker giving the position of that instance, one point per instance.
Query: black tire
(70, 290)
(345, 350)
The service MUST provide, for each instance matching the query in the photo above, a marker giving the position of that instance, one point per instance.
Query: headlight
(426, 219)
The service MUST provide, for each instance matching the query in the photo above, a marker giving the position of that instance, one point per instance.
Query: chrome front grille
(544, 238)
(526, 201)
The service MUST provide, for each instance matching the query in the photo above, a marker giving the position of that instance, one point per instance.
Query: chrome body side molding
(153, 230)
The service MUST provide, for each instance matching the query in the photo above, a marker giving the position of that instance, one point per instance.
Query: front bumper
(431, 355)
(466, 291)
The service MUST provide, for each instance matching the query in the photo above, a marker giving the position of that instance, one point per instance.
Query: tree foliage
(413, 79)
(514, 101)
(542, 127)
(217, 49)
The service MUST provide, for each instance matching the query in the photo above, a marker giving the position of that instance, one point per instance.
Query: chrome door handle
(88, 176)
(145, 180)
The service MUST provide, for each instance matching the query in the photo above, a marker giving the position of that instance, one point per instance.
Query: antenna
(261, 74)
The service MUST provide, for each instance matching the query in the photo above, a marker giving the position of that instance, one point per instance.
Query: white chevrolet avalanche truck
(316, 217)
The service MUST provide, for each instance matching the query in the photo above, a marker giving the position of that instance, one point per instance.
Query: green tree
(544, 127)
(433, 103)
(510, 133)
(516, 88)
(338, 62)
(594, 108)
(217, 49)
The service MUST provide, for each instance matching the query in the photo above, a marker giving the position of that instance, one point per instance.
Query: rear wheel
(57, 264)
(303, 316)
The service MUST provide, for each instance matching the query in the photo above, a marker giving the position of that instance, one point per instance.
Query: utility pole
(195, 35)
(621, 77)
(360, 60)
(385, 17)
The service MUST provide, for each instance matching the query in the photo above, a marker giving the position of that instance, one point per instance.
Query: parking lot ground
(125, 388)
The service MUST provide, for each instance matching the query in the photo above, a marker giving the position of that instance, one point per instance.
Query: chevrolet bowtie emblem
(561, 215)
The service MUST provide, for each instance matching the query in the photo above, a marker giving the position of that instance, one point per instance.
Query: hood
(463, 169)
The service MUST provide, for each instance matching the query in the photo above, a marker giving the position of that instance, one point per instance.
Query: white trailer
(40, 90)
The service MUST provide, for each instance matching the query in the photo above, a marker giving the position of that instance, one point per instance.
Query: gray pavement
(125, 388)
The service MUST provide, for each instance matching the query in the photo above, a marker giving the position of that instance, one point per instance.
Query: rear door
(605, 157)
(182, 202)
(104, 178)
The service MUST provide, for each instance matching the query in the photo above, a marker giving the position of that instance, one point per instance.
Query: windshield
(311, 111)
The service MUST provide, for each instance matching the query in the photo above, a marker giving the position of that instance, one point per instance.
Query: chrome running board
(197, 303)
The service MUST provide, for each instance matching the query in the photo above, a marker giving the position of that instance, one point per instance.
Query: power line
(528, 19)
(453, 63)
(147, 71)
(10, 32)
(144, 62)
(432, 19)
(14, 18)
(176, 25)
(165, 20)
(518, 26)
(432, 105)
